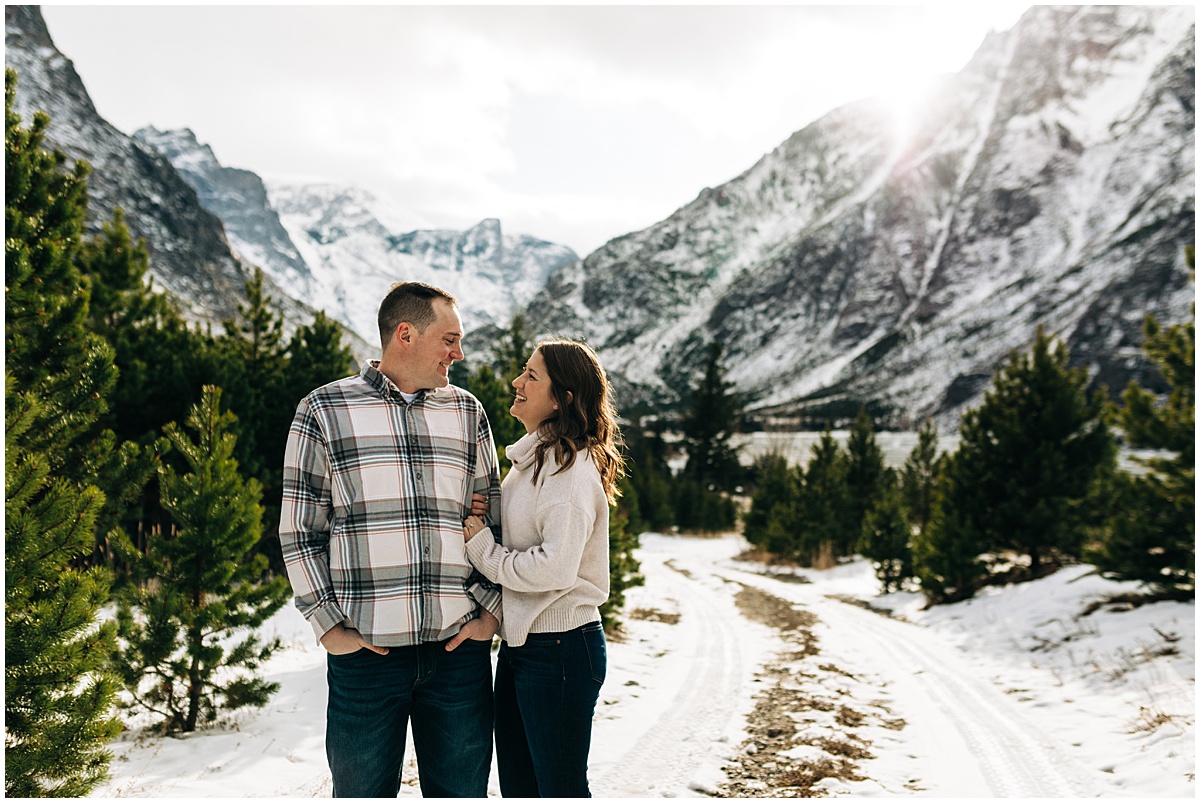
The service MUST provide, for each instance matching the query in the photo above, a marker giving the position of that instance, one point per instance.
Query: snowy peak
(356, 246)
(181, 147)
(898, 261)
(239, 199)
(485, 251)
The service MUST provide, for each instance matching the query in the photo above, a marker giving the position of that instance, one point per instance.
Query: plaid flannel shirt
(375, 490)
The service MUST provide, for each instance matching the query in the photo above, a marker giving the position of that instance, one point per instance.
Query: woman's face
(534, 403)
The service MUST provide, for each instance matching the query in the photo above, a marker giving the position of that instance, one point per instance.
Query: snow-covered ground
(1012, 694)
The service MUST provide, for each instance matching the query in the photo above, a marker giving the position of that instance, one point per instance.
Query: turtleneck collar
(521, 453)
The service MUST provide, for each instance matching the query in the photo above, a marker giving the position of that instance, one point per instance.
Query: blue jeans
(447, 695)
(546, 693)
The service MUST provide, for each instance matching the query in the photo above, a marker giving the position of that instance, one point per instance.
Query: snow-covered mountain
(190, 256)
(238, 198)
(1051, 181)
(357, 245)
(339, 247)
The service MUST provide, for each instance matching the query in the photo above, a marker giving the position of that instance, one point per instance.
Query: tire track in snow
(665, 758)
(1014, 758)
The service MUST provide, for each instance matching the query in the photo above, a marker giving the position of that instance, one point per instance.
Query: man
(379, 473)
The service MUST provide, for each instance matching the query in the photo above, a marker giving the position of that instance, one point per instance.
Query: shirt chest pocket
(452, 473)
(448, 472)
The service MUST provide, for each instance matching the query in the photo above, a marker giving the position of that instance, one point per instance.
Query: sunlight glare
(906, 97)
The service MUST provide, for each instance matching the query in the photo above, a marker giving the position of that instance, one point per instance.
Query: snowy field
(1012, 694)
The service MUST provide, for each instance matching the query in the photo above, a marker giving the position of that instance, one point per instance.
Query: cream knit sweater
(553, 566)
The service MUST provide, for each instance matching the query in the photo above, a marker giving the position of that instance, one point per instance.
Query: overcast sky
(574, 124)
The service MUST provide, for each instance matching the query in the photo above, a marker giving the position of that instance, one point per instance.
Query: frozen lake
(797, 447)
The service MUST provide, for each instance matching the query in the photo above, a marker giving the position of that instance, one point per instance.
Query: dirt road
(832, 697)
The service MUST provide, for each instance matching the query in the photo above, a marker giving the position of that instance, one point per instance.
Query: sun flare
(907, 99)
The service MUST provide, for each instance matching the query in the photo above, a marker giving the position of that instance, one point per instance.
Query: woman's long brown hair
(585, 419)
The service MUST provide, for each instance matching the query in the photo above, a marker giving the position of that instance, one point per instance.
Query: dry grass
(1149, 720)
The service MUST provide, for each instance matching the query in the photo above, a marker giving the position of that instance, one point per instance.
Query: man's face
(434, 350)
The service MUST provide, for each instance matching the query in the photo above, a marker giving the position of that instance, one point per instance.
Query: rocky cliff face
(1050, 182)
(238, 198)
(190, 256)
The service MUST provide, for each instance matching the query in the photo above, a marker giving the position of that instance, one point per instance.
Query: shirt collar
(385, 387)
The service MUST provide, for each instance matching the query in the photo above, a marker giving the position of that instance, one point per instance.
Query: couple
(389, 478)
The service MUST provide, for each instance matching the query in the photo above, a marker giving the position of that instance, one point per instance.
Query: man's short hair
(411, 302)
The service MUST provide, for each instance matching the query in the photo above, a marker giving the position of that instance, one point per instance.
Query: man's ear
(403, 333)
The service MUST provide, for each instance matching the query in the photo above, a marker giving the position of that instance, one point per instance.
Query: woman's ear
(570, 397)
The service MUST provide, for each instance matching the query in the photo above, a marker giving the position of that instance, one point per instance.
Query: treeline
(1034, 484)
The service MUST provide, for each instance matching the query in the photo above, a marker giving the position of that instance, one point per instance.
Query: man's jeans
(448, 697)
(546, 693)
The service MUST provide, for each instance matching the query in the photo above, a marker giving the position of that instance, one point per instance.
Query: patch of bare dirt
(654, 615)
(804, 729)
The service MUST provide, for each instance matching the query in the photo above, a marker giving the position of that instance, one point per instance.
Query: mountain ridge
(848, 266)
(340, 247)
(1050, 182)
(190, 255)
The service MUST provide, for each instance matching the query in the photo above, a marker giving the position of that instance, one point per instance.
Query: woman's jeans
(448, 697)
(546, 693)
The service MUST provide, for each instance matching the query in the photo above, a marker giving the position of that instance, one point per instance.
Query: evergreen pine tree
(496, 396)
(255, 384)
(770, 522)
(316, 356)
(163, 364)
(866, 476)
(687, 503)
(709, 425)
(512, 348)
(459, 374)
(1029, 455)
(629, 503)
(623, 568)
(197, 586)
(783, 533)
(885, 538)
(918, 478)
(650, 477)
(823, 531)
(1152, 534)
(946, 553)
(57, 695)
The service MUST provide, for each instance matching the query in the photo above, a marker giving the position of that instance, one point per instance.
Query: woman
(553, 567)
